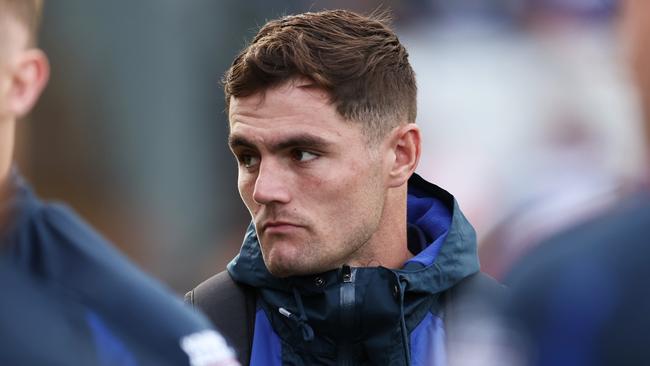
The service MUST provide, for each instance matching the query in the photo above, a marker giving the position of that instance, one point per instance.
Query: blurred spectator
(581, 298)
(527, 114)
(70, 297)
(570, 186)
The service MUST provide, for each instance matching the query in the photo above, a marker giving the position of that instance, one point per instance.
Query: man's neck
(388, 246)
(6, 155)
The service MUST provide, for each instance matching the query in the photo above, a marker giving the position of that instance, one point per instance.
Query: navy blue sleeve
(131, 318)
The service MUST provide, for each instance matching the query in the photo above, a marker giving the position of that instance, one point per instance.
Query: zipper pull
(346, 272)
(286, 313)
(307, 331)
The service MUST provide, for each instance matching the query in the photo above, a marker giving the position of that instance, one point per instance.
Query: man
(582, 298)
(351, 258)
(69, 298)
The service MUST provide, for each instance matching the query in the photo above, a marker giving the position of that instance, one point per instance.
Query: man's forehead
(294, 88)
(295, 111)
(13, 35)
(3, 31)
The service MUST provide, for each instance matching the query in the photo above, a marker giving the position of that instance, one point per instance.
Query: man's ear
(29, 76)
(405, 142)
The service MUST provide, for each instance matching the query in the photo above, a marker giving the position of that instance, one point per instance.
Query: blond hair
(27, 12)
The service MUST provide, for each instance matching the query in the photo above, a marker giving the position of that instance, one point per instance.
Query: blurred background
(528, 115)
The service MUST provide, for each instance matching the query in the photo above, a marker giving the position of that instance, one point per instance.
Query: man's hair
(27, 12)
(357, 59)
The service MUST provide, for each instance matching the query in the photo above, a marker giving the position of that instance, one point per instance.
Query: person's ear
(405, 142)
(29, 76)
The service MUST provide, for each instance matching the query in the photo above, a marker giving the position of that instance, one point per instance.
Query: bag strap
(231, 308)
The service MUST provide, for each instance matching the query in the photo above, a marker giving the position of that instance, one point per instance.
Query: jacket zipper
(347, 303)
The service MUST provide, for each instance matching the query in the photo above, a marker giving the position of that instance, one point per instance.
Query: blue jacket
(70, 298)
(365, 316)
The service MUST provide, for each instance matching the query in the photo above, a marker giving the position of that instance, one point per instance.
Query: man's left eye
(302, 155)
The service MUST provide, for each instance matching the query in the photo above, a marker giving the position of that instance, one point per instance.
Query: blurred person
(582, 297)
(351, 257)
(568, 186)
(70, 297)
(578, 147)
(585, 154)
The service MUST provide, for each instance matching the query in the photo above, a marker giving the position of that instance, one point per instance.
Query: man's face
(313, 186)
(636, 30)
(13, 40)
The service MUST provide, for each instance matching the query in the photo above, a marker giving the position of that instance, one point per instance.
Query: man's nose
(271, 185)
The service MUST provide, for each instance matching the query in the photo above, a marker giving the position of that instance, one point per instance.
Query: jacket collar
(15, 207)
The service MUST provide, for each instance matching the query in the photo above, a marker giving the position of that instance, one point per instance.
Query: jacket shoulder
(99, 287)
(57, 230)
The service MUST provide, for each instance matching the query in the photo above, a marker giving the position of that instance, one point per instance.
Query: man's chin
(281, 258)
(282, 271)
(287, 269)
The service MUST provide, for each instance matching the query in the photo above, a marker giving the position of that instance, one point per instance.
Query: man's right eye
(248, 160)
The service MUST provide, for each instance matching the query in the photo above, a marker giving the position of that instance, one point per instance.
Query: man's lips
(279, 227)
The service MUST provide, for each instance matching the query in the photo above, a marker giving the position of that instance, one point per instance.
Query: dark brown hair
(27, 12)
(357, 59)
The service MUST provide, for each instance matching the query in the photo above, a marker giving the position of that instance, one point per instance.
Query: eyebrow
(299, 140)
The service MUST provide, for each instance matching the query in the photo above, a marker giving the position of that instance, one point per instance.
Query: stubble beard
(313, 260)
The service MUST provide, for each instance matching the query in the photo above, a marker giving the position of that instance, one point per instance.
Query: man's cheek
(246, 193)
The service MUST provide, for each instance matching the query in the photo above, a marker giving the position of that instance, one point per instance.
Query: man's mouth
(279, 227)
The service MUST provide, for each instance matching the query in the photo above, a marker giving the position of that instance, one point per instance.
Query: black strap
(231, 308)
